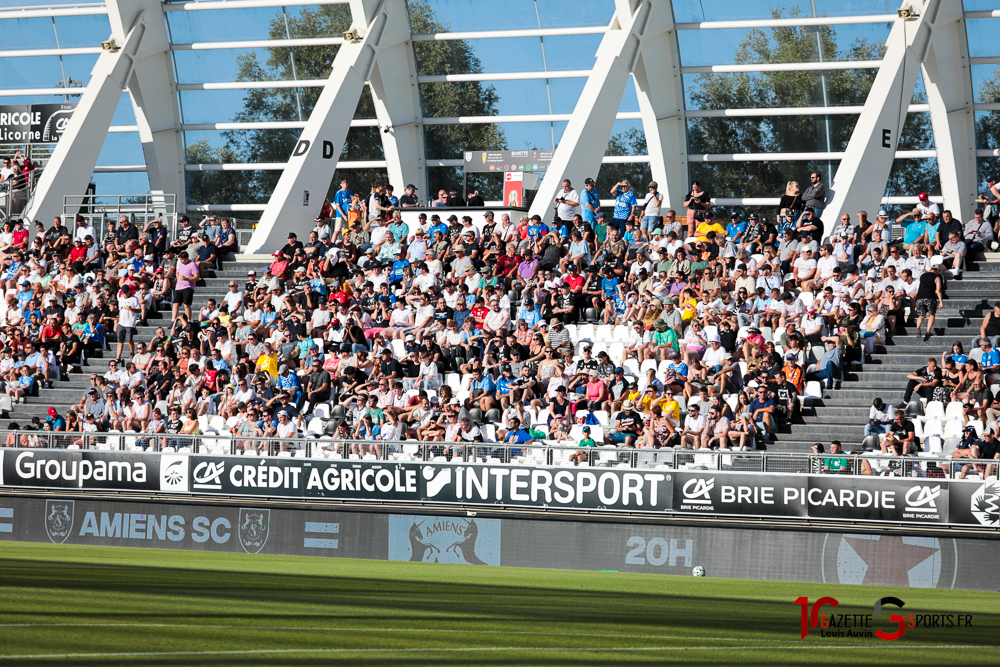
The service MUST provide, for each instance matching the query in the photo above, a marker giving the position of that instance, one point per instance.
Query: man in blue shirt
(341, 202)
(536, 229)
(735, 229)
(761, 411)
(830, 366)
(517, 435)
(438, 226)
(288, 381)
(503, 386)
(481, 389)
(401, 263)
(625, 203)
(990, 362)
(590, 202)
(529, 313)
(677, 373)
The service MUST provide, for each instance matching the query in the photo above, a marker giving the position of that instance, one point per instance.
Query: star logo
(888, 560)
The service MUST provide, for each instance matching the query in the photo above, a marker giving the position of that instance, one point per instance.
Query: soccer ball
(698, 571)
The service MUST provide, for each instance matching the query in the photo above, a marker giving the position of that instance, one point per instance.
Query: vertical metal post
(548, 83)
(822, 78)
(295, 75)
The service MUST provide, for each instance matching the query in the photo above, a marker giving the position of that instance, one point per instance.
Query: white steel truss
(383, 57)
(640, 41)
(932, 38)
(139, 61)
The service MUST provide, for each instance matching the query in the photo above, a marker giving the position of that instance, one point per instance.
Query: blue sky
(497, 55)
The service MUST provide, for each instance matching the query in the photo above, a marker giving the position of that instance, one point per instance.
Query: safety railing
(532, 454)
(141, 209)
(15, 192)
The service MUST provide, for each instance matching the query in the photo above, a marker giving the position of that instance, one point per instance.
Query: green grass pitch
(76, 605)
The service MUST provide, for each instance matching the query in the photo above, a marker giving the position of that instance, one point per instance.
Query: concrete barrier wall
(828, 557)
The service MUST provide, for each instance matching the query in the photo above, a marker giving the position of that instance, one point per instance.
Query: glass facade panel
(691, 11)
(782, 45)
(860, 41)
(226, 25)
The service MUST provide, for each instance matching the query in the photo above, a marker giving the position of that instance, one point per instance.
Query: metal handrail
(140, 208)
(542, 454)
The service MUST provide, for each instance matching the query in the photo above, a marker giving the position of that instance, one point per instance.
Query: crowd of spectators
(369, 314)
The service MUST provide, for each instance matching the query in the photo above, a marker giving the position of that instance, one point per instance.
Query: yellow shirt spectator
(269, 363)
(705, 227)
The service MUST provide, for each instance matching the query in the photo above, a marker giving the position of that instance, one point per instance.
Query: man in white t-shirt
(83, 230)
(568, 201)
(233, 298)
(129, 309)
(424, 314)
(321, 316)
(651, 217)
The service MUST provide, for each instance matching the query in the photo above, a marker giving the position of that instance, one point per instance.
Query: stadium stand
(624, 326)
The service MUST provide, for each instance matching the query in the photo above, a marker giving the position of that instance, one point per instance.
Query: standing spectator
(815, 195)
(625, 203)
(697, 202)
(187, 276)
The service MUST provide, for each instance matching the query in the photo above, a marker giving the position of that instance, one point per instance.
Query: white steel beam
(660, 89)
(585, 138)
(280, 166)
(948, 81)
(69, 169)
(782, 67)
(31, 53)
(303, 185)
(31, 92)
(864, 169)
(507, 34)
(800, 21)
(258, 44)
(244, 4)
(24, 13)
(152, 90)
(396, 96)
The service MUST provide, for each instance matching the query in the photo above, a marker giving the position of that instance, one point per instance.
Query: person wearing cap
(55, 420)
(590, 201)
(628, 426)
(736, 228)
(651, 215)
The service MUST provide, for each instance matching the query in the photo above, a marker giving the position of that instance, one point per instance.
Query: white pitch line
(566, 649)
(350, 629)
(456, 631)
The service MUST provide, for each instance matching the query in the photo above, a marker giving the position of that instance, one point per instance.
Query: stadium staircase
(67, 393)
(842, 414)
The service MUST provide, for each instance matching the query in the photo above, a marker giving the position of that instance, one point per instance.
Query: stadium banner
(506, 161)
(89, 469)
(975, 503)
(716, 493)
(839, 497)
(34, 123)
(512, 486)
(764, 552)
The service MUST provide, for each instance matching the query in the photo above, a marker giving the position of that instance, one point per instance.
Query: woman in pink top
(187, 276)
(596, 392)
